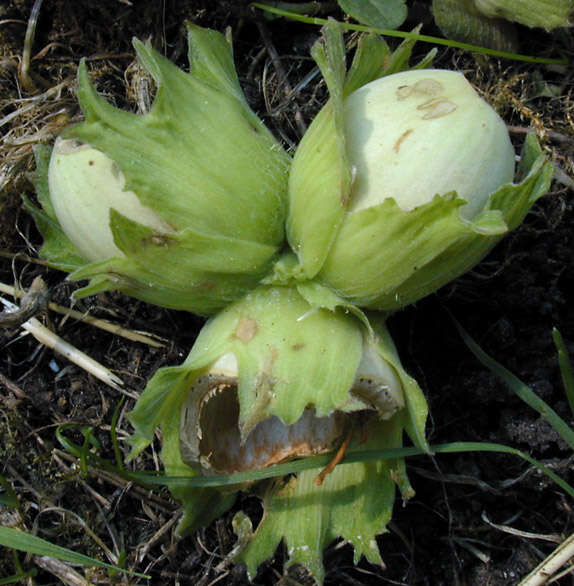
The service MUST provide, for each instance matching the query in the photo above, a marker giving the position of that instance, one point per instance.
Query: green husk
(320, 178)
(383, 257)
(204, 163)
(440, 245)
(547, 14)
(355, 502)
(291, 354)
(460, 20)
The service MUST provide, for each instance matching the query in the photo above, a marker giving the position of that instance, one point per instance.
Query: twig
(143, 551)
(61, 570)
(53, 341)
(93, 321)
(112, 558)
(116, 480)
(551, 134)
(519, 533)
(469, 546)
(34, 301)
(12, 387)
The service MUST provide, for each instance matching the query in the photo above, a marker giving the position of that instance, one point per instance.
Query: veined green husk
(383, 257)
(354, 503)
(490, 23)
(200, 160)
(279, 366)
(461, 21)
(547, 14)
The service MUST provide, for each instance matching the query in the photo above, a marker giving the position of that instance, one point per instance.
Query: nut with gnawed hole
(269, 379)
(210, 435)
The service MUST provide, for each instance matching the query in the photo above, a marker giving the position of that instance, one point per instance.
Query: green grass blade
(518, 387)
(566, 369)
(152, 478)
(22, 541)
(356, 456)
(457, 447)
(407, 35)
(18, 578)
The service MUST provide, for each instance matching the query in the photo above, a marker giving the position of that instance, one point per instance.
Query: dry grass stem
(24, 70)
(135, 336)
(62, 571)
(519, 533)
(57, 344)
(558, 558)
(145, 548)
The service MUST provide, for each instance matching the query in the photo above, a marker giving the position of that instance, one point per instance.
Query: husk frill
(204, 163)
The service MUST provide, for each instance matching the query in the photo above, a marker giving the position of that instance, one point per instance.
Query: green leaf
(547, 14)
(387, 14)
(16, 539)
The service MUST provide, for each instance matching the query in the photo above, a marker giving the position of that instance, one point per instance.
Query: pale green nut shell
(416, 134)
(76, 171)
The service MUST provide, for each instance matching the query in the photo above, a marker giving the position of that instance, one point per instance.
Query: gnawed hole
(270, 441)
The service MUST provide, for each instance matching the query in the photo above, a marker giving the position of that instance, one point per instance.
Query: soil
(477, 518)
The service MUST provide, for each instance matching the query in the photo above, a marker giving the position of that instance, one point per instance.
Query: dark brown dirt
(445, 535)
